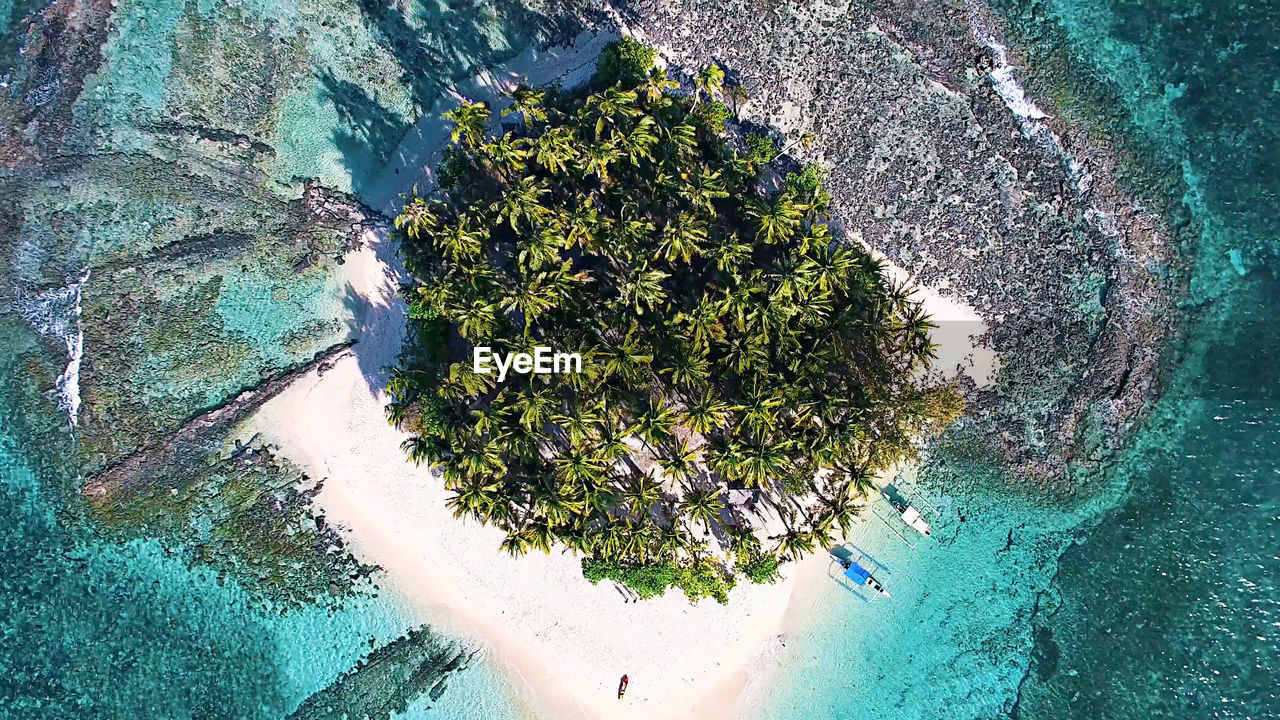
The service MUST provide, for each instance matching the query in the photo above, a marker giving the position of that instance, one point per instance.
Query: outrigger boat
(856, 573)
(862, 576)
(911, 508)
(912, 517)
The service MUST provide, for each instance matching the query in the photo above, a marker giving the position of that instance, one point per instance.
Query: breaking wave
(55, 315)
(1005, 82)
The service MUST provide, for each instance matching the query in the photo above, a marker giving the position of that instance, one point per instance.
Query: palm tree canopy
(727, 339)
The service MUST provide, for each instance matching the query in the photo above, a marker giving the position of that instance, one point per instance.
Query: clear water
(98, 629)
(1157, 598)
(1164, 600)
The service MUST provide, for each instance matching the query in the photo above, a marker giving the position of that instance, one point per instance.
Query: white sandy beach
(564, 642)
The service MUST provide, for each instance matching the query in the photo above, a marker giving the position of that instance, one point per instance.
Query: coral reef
(931, 167)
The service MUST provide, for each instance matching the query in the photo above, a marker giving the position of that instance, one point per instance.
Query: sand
(563, 642)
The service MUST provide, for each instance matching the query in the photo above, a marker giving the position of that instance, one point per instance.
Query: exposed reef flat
(181, 187)
(931, 166)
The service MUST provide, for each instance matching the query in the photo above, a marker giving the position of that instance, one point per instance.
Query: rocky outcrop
(930, 165)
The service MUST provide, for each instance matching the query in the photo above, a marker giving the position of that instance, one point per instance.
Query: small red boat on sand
(622, 686)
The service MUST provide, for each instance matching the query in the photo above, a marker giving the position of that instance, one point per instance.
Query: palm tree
(578, 467)
(420, 449)
(702, 192)
(861, 482)
(682, 140)
(682, 238)
(657, 84)
(599, 156)
(417, 219)
(806, 140)
(702, 323)
(630, 360)
(702, 506)
(672, 541)
(611, 108)
(469, 122)
(731, 253)
(795, 543)
(725, 457)
(459, 241)
(639, 143)
(916, 342)
(474, 499)
(516, 543)
(762, 461)
(680, 463)
(776, 219)
(396, 413)
(656, 424)
(555, 149)
(740, 97)
(531, 299)
(642, 492)
(710, 80)
(643, 288)
(760, 411)
(522, 200)
(535, 408)
(610, 441)
(529, 102)
(538, 250)
(689, 366)
(477, 321)
(506, 156)
(580, 423)
(555, 502)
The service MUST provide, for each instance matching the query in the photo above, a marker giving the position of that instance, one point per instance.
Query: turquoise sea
(1154, 597)
(1158, 597)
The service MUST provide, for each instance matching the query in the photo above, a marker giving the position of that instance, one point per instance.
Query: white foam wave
(1005, 82)
(55, 314)
(1009, 89)
(1004, 75)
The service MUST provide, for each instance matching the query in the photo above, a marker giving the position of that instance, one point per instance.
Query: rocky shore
(931, 166)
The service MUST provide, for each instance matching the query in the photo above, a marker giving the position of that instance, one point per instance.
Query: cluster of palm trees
(727, 340)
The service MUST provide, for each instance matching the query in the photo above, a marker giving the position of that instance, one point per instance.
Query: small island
(744, 375)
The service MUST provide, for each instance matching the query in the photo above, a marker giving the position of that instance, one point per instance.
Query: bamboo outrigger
(911, 508)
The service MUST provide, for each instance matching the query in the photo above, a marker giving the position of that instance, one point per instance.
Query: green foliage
(761, 150)
(453, 166)
(697, 579)
(625, 62)
(727, 340)
(712, 116)
(648, 581)
(759, 568)
(704, 578)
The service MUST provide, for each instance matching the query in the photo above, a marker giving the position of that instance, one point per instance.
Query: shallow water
(1164, 602)
(92, 627)
(1156, 598)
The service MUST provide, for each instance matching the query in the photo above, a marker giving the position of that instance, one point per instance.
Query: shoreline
(561, 642)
